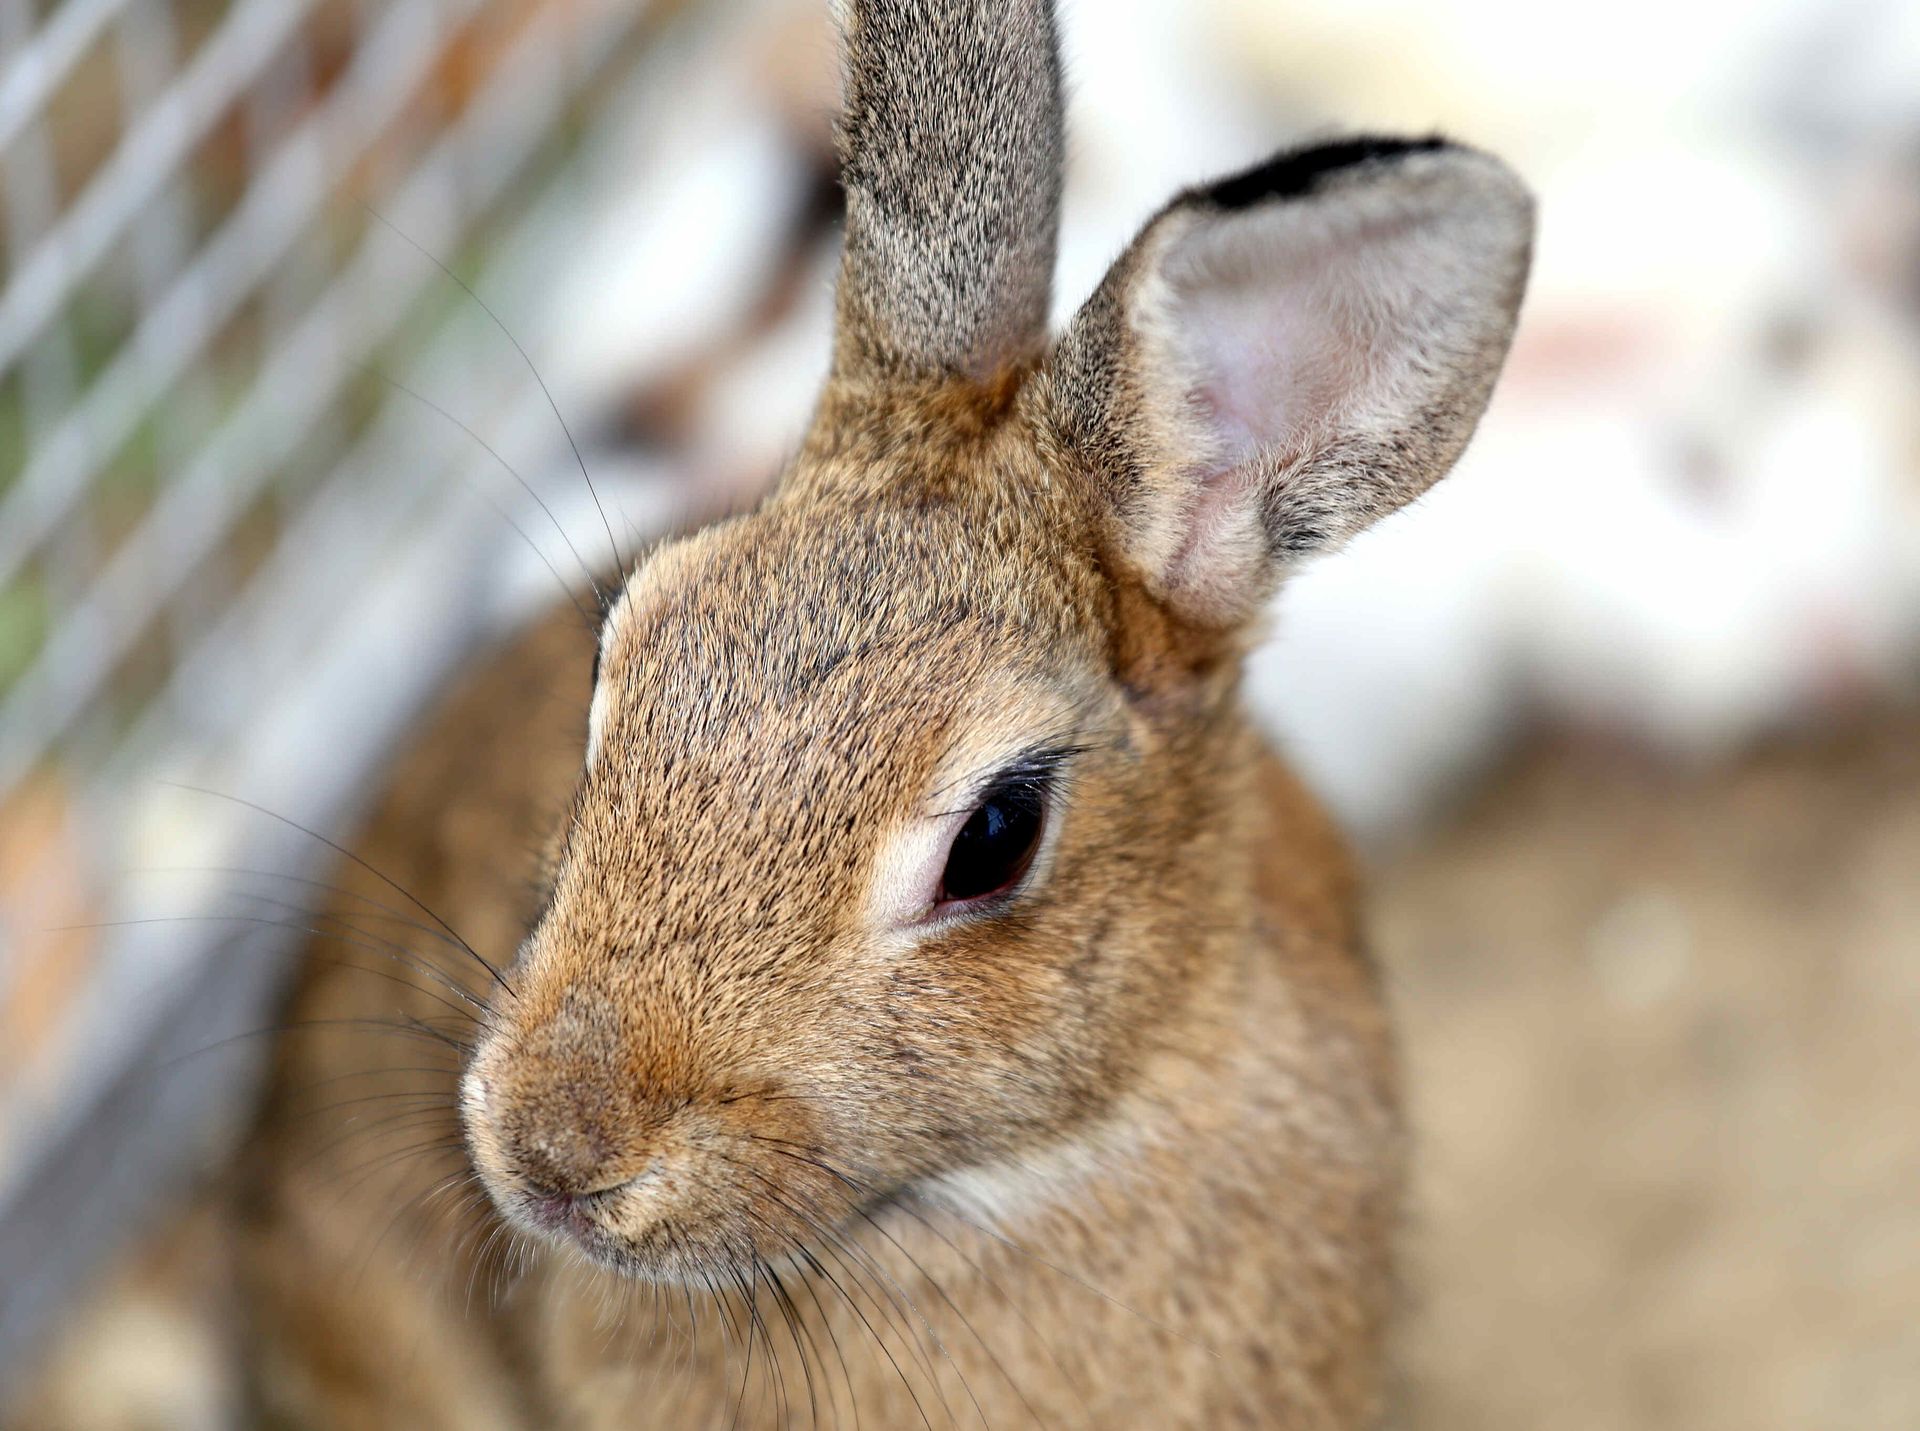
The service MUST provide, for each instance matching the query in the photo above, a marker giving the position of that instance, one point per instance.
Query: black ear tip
(1298, 172)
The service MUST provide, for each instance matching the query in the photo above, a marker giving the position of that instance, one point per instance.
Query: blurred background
(316, 314)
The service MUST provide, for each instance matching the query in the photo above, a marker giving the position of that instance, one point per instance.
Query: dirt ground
(1662, 1041)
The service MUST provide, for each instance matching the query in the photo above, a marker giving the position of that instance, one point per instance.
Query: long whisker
(891, 1315)
(260, 921)
(898, 1294)
(343, 851)
(358, 938)
(900, 1196)
(389, 1027)
(796, 1329)
(526, 486)
(965, 1321)
(342, 928)
(840, 1251)
(809, 1284)
(1079, 1282)
(339, 890)
(467, 288)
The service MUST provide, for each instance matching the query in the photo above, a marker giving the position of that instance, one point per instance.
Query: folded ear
(950, 152)
(1285, 356)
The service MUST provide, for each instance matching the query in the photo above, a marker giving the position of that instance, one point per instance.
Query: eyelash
(1035, 774)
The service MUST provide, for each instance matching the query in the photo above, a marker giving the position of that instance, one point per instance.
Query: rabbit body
(912, 994)
(1216, 1253)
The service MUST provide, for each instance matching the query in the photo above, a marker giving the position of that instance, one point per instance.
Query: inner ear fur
(1286, 355)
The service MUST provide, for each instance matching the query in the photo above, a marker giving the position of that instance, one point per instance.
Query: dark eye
(995, 846)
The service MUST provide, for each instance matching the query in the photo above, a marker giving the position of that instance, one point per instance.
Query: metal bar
(182, 992)
(232, 262)
(147, 154)
(467, 167)
(36, 72)
(472, 163)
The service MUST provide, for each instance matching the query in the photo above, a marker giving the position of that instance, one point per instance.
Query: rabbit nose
(565, 1157)
(557, 1101)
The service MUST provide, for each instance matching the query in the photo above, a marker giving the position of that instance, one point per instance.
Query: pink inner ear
(1263, 371)
(1273, 359)
(1284, 338)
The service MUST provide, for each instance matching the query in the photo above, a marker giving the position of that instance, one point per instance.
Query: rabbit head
(911, 801)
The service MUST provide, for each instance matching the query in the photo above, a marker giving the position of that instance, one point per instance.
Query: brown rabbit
(931, 1003)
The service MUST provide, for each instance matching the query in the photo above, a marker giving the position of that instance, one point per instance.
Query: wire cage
(259, 428)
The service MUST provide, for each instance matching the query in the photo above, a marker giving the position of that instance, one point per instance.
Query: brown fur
(743, 1135)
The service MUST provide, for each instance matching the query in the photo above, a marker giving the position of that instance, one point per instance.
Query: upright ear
(950, 151)
(1285, 356)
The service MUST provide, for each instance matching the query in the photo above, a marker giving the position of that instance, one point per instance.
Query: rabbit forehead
(801, 674)
(823, 603)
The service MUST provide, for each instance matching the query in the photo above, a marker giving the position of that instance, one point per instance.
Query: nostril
(562, 1137)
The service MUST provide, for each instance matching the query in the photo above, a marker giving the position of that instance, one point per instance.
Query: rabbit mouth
(736, 1230)
(569, 1216)
(720, 1207)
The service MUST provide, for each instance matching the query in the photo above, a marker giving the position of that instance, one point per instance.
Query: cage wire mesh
(239, 520)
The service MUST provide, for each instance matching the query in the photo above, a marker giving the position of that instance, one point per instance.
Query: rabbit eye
(997, 844)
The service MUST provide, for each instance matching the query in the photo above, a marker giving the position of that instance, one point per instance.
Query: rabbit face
(852, 892)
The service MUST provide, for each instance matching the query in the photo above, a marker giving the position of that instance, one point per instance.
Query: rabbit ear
(1287, 355)
(950, 149)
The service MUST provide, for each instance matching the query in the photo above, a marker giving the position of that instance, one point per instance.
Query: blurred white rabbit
(1693, 513)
